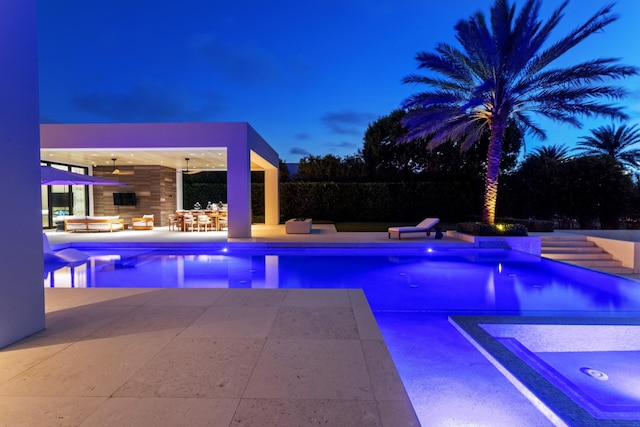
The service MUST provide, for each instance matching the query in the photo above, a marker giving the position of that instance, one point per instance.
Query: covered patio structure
(233, 147)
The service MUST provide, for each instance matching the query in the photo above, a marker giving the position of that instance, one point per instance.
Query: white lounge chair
(67, 255)
(424, 227)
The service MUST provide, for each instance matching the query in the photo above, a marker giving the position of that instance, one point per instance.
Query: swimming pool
(452, 281)
(412, 293)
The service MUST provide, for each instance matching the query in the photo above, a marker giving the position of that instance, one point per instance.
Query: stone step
(616, 270)
(571, 250)
(579, 256)
(565, 237)
(569, 244)
(597, 263)
(577, 250)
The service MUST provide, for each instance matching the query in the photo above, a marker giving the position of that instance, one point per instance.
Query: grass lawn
(382, 226)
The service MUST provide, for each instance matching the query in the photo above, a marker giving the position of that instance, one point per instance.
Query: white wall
(21, 262)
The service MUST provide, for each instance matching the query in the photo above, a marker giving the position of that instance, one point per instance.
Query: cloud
(299, 151)
(343, 144)
(242, 64)
(347, 122)
(148, 101)
(303, 136)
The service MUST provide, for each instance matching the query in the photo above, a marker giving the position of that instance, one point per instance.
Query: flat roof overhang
(235, 147)
(166, 144)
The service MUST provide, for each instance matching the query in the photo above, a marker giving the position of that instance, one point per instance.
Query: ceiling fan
(117, 171)
(190, 172)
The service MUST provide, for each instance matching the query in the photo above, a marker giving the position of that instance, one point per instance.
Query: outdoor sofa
(93, 223)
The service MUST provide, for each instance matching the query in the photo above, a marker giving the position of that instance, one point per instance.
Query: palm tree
(553, 153)
(613, 142)
(502, 72)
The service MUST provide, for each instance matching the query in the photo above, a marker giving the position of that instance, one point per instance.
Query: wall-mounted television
(124, 199)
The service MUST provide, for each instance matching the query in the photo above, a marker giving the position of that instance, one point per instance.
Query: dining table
(215, 217)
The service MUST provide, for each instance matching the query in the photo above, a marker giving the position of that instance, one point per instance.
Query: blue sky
(309, 76)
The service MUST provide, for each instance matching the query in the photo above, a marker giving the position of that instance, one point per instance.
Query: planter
(297, 226)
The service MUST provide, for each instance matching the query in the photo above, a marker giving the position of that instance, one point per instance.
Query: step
(616, 270)
(579, 256)
(565, 237)
(569, 244)
(571, 250)
(597, 263)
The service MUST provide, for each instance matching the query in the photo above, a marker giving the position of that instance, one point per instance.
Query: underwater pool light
(594, 373)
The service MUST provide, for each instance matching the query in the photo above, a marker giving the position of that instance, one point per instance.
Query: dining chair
(204, 222)
(174, 222)
(188, 222)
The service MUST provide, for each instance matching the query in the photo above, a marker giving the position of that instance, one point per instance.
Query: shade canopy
(53, 176)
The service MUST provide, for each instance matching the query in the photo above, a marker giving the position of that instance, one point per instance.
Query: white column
(271, 197)
(239, 189)
(179, 185)
(21, 261)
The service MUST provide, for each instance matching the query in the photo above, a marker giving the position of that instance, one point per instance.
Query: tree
(384, 158)
(551, 153)
(387, 160)
(330, 168)
(537, 187)
(615, 143)
(283, 171)
(502, 72)
(597, 189)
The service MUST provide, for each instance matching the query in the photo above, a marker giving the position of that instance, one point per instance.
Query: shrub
(533, 225)
(483, 229)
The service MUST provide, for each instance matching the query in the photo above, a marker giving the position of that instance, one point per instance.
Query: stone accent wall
(155, 188)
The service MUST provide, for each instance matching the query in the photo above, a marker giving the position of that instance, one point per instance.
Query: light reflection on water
(453, 281)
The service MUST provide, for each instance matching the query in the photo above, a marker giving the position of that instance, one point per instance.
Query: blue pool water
(453, 281)
(411, 292)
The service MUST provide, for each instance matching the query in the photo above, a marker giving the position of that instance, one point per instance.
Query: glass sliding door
(62, 200)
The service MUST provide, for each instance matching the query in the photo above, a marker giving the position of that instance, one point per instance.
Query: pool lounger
(424, 227)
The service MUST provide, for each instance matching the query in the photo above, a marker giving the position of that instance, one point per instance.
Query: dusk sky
(309, 76)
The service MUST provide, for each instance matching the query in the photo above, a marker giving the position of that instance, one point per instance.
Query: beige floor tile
(252, 297)
(73, 324)
(151, 321)
(367, 326)
(95, 367)
(386, 381)
(56, 299)
(330, 413)
(155, 412)
(25, 354)
(197, 367)
(311, 369)
(394, 414)
(64, 298)
(233, 322)
(46, 411)
(317, 298)
(188, 297)
(357, 298)
(64, 327)
(315, 323)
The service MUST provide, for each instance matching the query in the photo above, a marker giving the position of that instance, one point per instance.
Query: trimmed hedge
(482, 229)
(355, 202)
(369, 202)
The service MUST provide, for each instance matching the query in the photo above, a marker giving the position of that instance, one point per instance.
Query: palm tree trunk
(494, 154)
